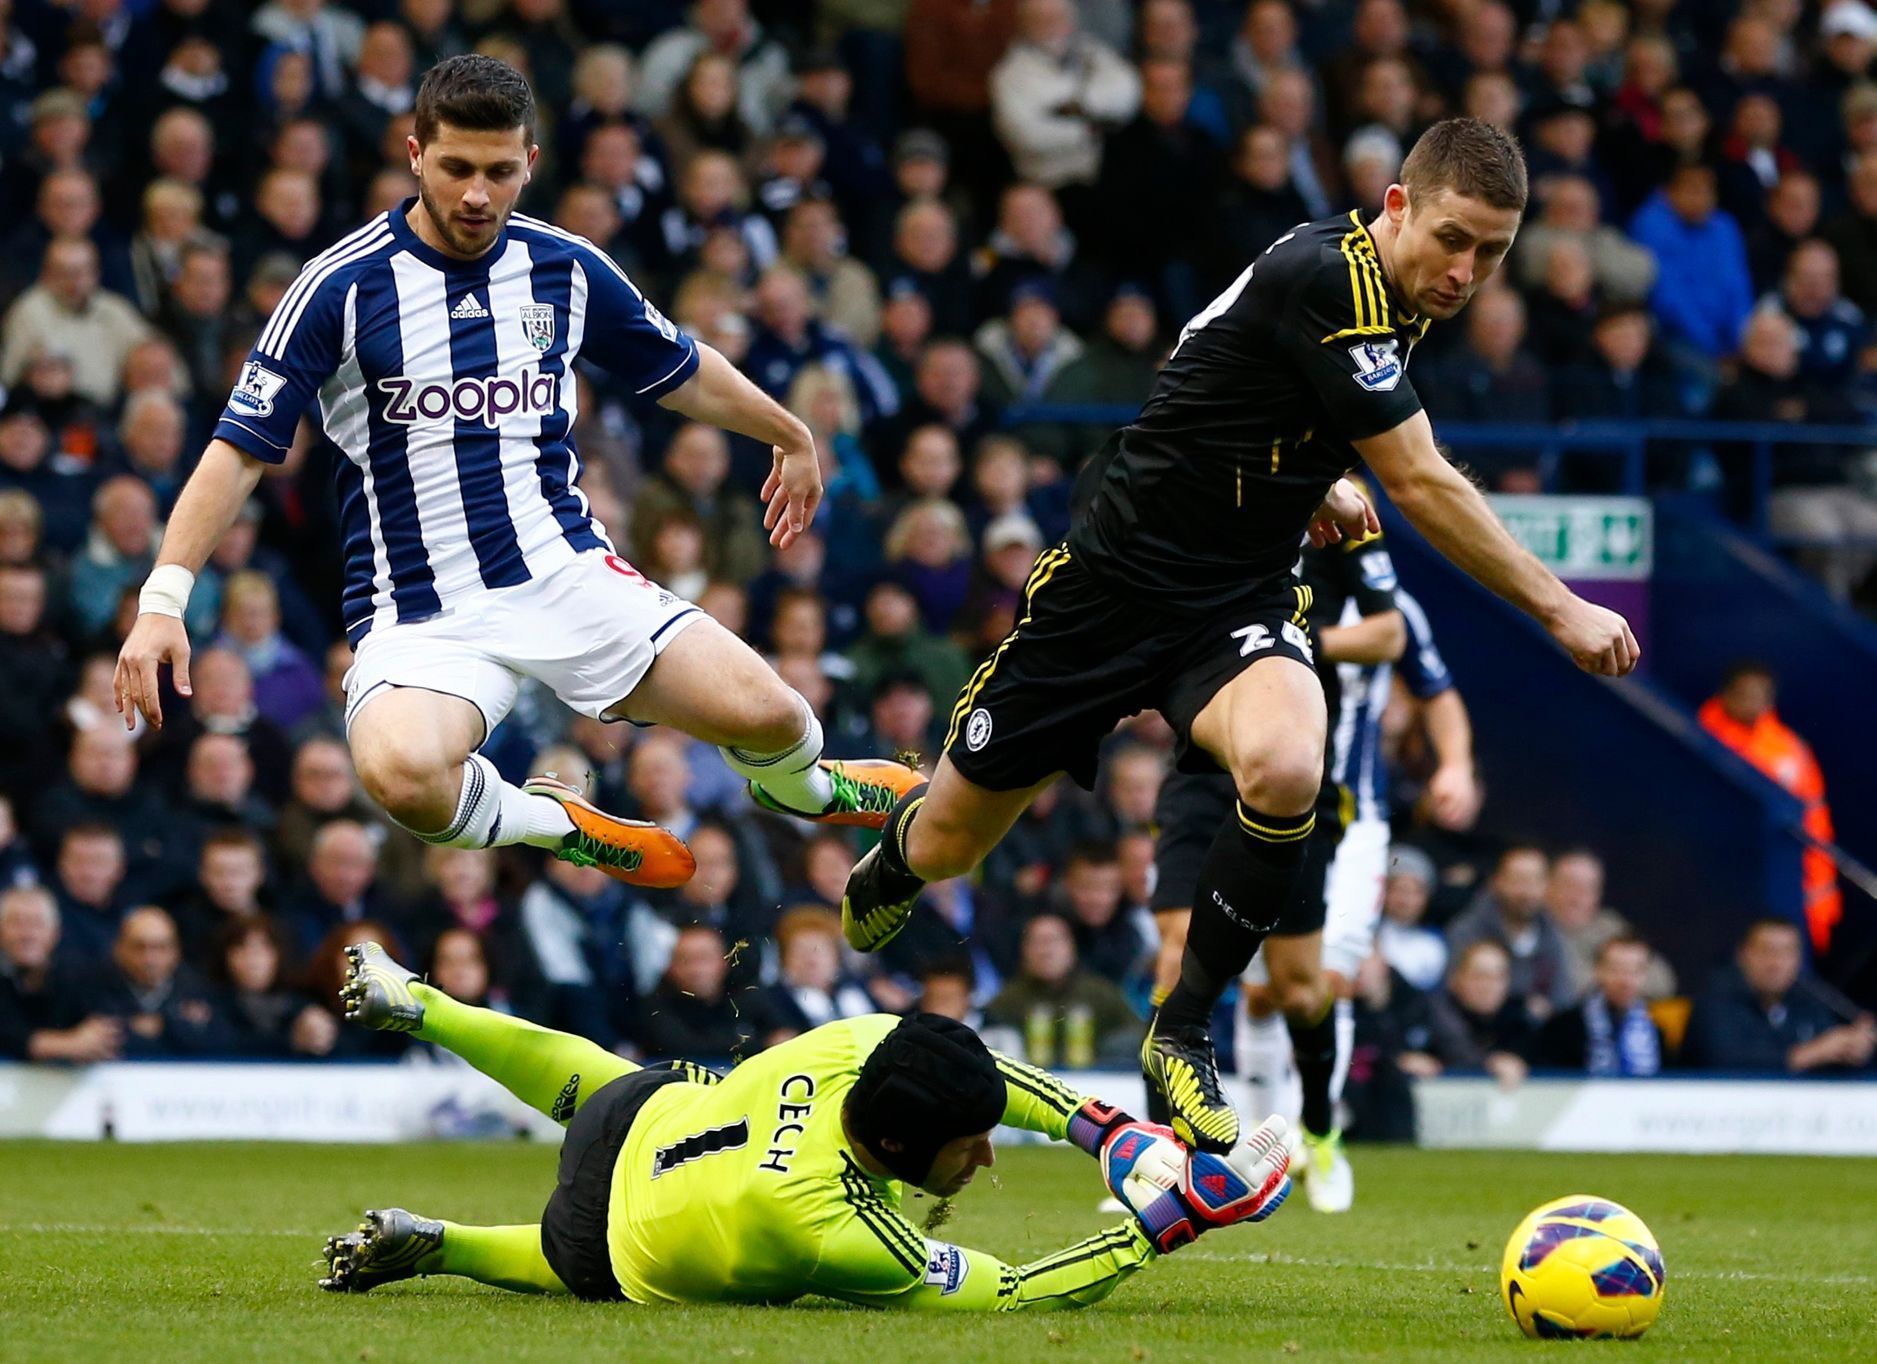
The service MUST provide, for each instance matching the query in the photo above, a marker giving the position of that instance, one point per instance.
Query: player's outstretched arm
(719, 394)
(936, 1276)
(1455, 518)
(205, 509)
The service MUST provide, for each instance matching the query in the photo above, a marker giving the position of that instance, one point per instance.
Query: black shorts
(573, 1228)
(1188, 816)
(1082, 658)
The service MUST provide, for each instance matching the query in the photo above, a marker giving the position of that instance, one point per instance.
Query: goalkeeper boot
(865, 791)
(630, 850)
(377, 991)
(1329, 1184)
(877, 902)
(385, 1248)
(1178, 1065)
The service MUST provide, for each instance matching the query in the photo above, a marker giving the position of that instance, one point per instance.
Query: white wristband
(166, 591)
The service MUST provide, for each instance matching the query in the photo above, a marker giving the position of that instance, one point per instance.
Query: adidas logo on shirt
(468, 307)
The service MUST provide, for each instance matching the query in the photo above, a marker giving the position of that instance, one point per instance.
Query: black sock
(893, 841)
(1314, 1046)
(1244, 885)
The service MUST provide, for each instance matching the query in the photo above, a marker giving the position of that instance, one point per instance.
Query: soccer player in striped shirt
(439, 341)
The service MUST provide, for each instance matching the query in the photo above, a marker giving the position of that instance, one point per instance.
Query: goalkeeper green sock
(503, 1257)
(554, 1072)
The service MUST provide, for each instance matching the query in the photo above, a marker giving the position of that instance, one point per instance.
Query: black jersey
(1206, 495)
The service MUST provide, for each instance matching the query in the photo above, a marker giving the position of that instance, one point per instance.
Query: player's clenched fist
(1597, 639)
(1177, 1194)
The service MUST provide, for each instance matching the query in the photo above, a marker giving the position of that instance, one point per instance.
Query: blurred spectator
(895, 643)
(1066, 1015)
(1031, 245)
(811, 987)
(172, 221)
(703, 114)
(1853, 233)
(1741, 715)
(1762, 1014)
(788, 336)
(694, 478)
(1510, 912)
(814, 243)
(952, 46)
(265, 1019)
(1415, 952)
(383, 87)
(573, 918)
(464, 896)
(1833, 331)
(1703, 290)
(929, 467)
(340, 887)
(713, 198)
(460, 967)
(68, 205)
(1490, 375)
(904, 716)
(947, 390)
(87, 873)
(1478, 1022)
(222, 700)
(946, 988)
(230, 876)
(287, 687)
(17, 867)
(322, 788)
(43, 1014)
(1055, 93)
(150, 435)
(690, 1014)
(101, 786)
(1288, 102)
(1571, 211)
(1623, 376)
(164, 1008)
(1258, 204)
(1792, 216)
(928, 551)
(90, 326)
(1816, 501)
(29, 466)
(925, 255)
(1371, 160)
(218, 793)
(1574, 902)
(1011, 544)
(1110, 940)
(118, 553)
(1610, 1033)
(726, 28)
(1562, 312)
(328, 34)
(1024, 351)
(35, 676)
(1394, 1031)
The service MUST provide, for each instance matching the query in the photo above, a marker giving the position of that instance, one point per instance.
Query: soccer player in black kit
(1175, 588)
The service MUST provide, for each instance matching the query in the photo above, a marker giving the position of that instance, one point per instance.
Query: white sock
(1345, 1048)
(490, 813)
(794, 777)
(1264, 1056)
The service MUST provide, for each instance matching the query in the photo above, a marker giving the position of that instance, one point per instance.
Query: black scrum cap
(929, 1081)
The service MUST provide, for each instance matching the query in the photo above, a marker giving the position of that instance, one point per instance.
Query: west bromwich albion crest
(537, 324)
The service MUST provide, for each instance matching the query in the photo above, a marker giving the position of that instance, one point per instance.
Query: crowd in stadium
(904, 218)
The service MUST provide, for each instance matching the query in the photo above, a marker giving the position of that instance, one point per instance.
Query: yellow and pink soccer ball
(1582, 1267)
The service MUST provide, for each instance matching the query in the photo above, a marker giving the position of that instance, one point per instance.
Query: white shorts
(590, 631)
(1352, 896)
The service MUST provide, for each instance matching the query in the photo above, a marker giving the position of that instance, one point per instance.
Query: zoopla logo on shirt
(485, 401)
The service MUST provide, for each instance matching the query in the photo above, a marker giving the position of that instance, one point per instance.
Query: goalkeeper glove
(1176, 1195)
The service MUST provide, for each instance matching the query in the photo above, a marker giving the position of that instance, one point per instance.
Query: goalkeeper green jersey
(748, 1190)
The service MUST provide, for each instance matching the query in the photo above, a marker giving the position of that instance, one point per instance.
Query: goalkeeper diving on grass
(784, 1177)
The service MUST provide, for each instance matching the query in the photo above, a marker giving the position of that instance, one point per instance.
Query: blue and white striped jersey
(448, 387)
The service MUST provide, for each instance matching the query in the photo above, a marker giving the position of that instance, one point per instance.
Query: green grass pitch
(209, 1252)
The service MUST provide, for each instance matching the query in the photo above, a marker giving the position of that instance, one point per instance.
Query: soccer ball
(1582, 1266)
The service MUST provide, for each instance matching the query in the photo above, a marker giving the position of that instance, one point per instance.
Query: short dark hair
(1770, 924)
(1747, 667)
(475, 92)
(1623, 940)
(1470, 158)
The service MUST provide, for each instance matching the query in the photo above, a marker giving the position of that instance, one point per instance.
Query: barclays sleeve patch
(945, 1267)
(1378, 365)
(256, 390)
